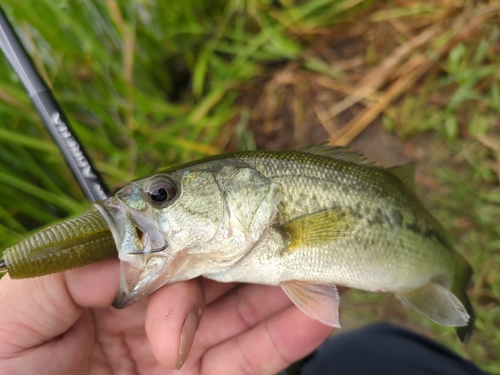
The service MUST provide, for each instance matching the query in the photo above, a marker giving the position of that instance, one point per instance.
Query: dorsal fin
(339, 153)
(406, 174)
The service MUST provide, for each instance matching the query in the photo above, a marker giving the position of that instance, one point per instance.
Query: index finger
(31, 309)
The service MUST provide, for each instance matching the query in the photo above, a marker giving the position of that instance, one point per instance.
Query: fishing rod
(52, 116)
(51, 113)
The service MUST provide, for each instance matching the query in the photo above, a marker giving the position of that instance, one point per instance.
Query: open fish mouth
(146, 247)
(134, 231)
(141, 248)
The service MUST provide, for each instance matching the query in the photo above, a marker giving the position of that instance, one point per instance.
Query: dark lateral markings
(393, 219)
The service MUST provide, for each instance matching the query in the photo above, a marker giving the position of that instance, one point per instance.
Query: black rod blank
(51, 113)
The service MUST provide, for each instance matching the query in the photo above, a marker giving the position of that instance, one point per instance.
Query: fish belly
(378, 263)
(372, 260)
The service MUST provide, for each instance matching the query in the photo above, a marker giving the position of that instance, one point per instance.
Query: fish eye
(160, 190)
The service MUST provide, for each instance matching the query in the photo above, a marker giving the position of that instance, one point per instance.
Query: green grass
(147, 84)
(460, 103)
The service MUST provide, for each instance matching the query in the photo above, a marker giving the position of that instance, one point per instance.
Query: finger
(241, 309)
(120, 330)
(29, 311)
(66, 354)
(36, 310)
(172, 318)
(76, 343)
(94, 285)
(215, 290)
(268, 347)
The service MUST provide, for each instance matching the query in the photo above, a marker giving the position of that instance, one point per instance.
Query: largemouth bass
(307, 220)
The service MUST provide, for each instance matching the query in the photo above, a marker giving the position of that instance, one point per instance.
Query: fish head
(186, 223)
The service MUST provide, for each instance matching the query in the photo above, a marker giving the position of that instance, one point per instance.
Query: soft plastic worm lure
(70, 244)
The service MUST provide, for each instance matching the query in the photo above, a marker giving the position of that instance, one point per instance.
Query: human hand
(64, 324)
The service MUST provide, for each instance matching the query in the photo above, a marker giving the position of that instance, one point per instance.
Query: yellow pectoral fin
(317, 229)
(318, 301)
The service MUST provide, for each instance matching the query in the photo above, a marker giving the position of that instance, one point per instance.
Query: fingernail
(187, 338)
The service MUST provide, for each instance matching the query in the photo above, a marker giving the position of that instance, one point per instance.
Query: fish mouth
(141, 248)
(144, 241)
(135, 232)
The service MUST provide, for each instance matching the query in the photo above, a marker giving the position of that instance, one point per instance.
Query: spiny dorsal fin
(339, 153)
(406, 174)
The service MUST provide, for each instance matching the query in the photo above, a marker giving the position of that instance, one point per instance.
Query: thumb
(34, 311)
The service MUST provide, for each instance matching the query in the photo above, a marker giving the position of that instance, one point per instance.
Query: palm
(245, 328)
(121, 345)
